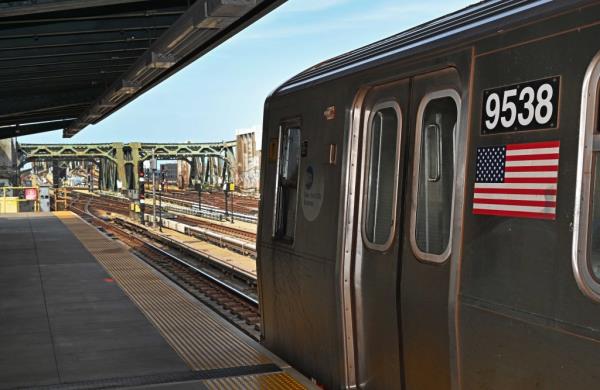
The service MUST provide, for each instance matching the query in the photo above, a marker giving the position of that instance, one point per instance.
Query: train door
(384, 143)
(403, 239)
(432, 208)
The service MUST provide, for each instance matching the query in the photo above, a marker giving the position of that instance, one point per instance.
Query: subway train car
(430, 213)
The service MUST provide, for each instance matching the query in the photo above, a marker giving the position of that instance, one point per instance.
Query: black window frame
(280, 221)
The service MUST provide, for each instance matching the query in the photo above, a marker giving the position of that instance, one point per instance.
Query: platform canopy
(65, 64)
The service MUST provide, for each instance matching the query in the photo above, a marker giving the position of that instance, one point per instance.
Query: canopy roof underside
(65, 64)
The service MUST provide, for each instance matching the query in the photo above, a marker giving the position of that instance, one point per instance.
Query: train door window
(594, 224)
(434, 176)
(381, 175)
(586, 232)
(287, 183)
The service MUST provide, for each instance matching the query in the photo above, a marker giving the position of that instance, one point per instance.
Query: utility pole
(162, 188)
(226, 189)
(142, 193)
(232, 188)
(153, 168)
(90, 176)
(200, 199)
(226, 201)
(199, 187)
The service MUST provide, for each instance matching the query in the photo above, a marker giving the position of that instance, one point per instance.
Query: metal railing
(19, 199)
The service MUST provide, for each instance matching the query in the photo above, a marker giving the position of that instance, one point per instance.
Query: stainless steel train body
(429, 216)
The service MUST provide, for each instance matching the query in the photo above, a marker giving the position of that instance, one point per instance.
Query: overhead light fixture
(160, 60)
(129, 87)
(104, 103)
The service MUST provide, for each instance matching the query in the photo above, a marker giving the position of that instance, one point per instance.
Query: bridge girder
(121, 160)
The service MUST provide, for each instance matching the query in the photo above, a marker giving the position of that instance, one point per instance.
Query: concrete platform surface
(62, 317)
(73, 317)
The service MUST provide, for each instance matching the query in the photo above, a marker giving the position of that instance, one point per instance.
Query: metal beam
(74, 40)
(30, 7)
(56, 85)
(20, 130)
(67, 77)
(18, 105)
(107, 150)
(115, 157)
(164, 7)
(58, 110)
(51, 116)
(42, 70)
(75, 50)
(49, 90)
(51, 62)
(143, 21)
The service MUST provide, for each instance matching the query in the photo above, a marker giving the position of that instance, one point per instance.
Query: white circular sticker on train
(312, 193)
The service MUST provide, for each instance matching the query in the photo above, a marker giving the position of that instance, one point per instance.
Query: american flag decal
(517, 180)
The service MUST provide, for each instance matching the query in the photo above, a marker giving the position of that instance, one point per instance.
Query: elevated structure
(8, 165)
(248, 162)
(65, 64)
(119, 163)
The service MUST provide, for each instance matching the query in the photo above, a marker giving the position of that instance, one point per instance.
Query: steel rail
(204, 274)
(229, 237)
(164, 253)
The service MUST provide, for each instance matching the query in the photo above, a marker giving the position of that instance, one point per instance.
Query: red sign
(30, 194)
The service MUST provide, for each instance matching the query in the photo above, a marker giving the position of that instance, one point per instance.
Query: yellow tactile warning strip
(276, 381)
(201, 341)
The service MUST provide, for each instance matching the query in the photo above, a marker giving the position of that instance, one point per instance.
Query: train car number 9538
(526, 106)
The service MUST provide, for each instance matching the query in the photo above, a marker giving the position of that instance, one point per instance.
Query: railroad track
(227, 230)
(241, 204)
(190, 207)
(122, 208)
(238, 305)
(109, 204)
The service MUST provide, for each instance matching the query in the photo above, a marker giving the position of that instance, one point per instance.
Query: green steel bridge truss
(211, 163)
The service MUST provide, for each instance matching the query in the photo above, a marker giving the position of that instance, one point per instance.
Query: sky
(223, 92)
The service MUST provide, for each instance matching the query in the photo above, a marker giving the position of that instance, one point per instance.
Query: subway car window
(435, 179)
(594, 252)
(595, 220)
(586, 234)
(287, 183)
(381, 174)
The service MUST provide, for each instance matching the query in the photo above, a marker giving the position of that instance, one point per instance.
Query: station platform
(79, 311)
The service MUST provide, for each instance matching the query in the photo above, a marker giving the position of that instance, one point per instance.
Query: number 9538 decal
(526, 106)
